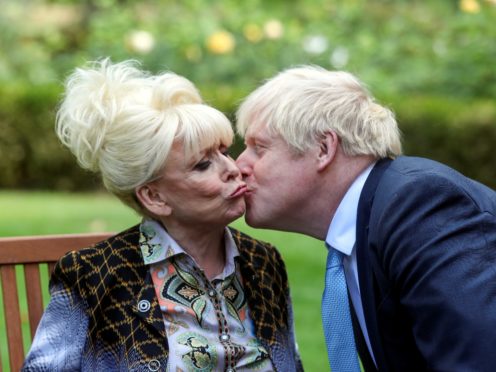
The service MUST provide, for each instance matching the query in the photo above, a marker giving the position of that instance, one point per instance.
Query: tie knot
(334, 258)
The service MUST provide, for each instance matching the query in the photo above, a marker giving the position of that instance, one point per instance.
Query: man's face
(279, 182)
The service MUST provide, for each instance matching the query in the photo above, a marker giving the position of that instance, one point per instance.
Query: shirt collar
(342, 230)
(157, 245)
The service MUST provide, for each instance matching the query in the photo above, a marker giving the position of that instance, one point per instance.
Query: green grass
(37, 213)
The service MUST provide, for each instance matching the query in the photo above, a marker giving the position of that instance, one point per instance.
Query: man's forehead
(259, 130)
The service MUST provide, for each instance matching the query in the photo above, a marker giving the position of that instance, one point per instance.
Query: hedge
(32, 157)
(459, 133)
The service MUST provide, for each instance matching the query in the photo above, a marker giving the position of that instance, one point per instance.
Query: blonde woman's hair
(121, 122)
(303, 103)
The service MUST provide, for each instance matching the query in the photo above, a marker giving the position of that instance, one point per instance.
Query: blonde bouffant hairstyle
(121, 122)
(303, 103)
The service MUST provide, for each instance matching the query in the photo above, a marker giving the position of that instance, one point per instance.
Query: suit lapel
(364, 261)
(363, 350)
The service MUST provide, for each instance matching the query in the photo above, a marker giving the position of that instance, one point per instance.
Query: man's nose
(243, 163)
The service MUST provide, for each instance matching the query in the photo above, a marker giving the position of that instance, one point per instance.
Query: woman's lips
(240, 190)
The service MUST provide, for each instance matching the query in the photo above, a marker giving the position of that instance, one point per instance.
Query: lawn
(37, 213)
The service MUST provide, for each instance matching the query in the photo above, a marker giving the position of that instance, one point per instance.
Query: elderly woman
(180, 291)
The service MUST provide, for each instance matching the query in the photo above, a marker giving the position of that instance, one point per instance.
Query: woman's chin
(237, 212)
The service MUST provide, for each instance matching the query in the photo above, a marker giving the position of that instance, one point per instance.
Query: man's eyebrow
(259, 137)
(254, 139)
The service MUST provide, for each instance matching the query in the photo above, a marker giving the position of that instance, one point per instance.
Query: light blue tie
(336, 317)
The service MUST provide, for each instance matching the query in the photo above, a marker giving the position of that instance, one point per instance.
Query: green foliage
(435, 58)
(32, 157)
(458, 133)
(442, 47)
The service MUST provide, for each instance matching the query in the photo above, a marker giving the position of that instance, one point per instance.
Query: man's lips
(240, 190)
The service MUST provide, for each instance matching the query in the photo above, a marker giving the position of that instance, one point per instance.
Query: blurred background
(433, 62)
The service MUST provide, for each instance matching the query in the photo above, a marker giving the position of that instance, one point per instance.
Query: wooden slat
(12, 317)
(51, 266)
(47, 248)
(35, 298)
(30, 251)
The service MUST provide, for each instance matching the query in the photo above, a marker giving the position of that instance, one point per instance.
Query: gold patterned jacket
(104, 314)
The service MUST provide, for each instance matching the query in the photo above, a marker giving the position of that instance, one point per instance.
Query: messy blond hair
(121, 122)
(303, 103)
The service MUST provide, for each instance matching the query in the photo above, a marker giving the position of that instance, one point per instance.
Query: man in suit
(416, 240)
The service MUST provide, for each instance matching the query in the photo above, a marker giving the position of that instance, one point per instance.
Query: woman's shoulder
(245, 240)
(250, 246)
(92, 257)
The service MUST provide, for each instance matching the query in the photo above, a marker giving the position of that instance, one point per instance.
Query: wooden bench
(30, 252)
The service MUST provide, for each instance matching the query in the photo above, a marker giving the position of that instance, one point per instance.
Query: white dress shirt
(341, 236)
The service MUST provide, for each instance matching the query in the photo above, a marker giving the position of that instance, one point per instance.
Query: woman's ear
(328, 146)
(153, 200)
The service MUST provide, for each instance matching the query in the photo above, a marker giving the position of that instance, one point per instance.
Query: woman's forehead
(180, 152)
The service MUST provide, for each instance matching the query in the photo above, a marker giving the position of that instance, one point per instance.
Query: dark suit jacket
(426, 251)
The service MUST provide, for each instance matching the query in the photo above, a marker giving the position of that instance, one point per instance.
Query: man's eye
(202, 165)
(226, 152)
(257, 148)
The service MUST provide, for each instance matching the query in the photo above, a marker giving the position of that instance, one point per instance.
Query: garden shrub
(459, 133)
(32, 156)
(456, 132)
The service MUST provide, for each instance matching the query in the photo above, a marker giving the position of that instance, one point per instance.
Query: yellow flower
(252, 33)
(470, 6)
(273, 29)
(221, 42)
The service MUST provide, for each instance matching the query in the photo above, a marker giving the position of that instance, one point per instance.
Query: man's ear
(153, 200)
(328, 147)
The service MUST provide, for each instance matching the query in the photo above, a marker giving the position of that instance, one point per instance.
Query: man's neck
(330, 192)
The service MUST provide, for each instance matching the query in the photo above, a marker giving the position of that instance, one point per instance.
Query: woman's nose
(232, 170)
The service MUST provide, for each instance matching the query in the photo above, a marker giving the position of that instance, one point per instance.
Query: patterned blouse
(208, 323)
(104, 313)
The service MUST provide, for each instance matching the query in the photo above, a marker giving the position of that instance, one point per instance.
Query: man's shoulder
(408, 170)
(412, 165)
(404, 183)
(413, 173)
(411, 182)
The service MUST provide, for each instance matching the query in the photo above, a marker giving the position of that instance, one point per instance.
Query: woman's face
(205, 189)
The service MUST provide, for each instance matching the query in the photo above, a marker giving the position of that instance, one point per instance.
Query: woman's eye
(202, 165)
